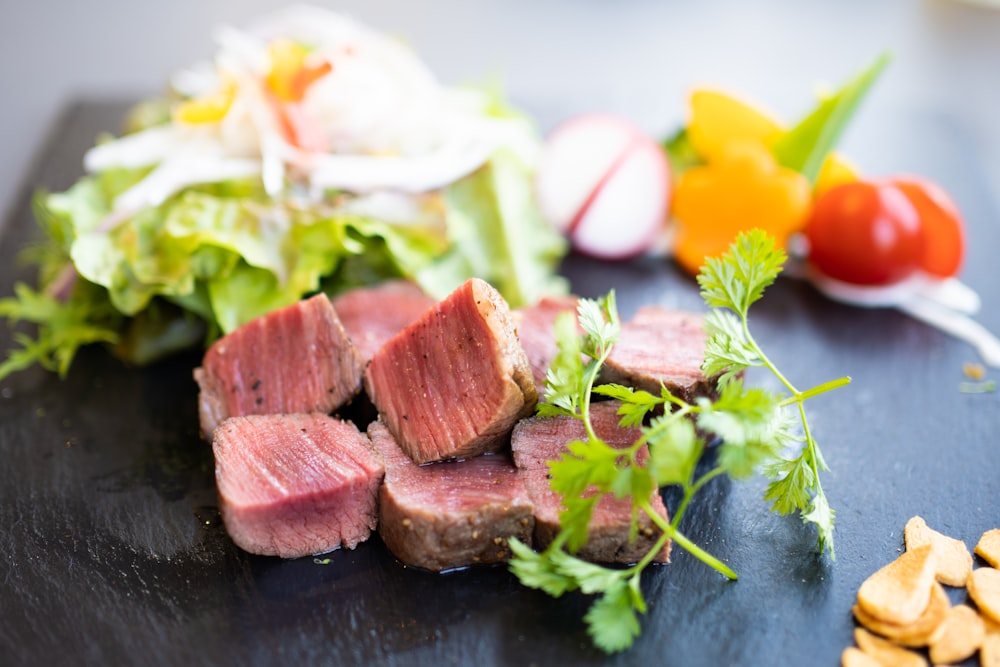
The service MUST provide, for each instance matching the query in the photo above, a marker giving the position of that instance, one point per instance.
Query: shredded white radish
(943, 304)
(865, 296)
(176, 173)
(958, 325)
(361, 173)
(374, 118)
(142, 149)
(952, 293)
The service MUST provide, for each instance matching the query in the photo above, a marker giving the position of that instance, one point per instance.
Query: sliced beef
(294, 485)
(373, 315)
(452, 384)
(538, 440)
(442, 516)
(660, 345)
(295, 359)
(536, 331)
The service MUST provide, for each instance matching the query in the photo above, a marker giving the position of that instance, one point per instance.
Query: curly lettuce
(215, 256)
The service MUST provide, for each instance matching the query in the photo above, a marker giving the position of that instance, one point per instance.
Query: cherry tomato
(940, 223)
(865, 233)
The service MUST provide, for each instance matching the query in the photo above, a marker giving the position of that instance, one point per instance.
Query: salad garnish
(759, 431)
(311, 154)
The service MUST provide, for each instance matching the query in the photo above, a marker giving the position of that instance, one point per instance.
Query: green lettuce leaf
(498, 235)
(215, 256)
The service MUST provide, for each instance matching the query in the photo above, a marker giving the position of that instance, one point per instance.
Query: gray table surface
(556, 57)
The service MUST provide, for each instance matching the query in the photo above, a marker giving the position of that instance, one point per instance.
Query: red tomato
(865, 233)
(941, 225)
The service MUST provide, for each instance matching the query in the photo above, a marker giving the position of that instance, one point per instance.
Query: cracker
(899, 592)
(989, 652)
(915, 634)
(992, 627)
(954, 562)
(988, 547)
(958, 636)
(855, 657)
(885, 651)
(984, 589)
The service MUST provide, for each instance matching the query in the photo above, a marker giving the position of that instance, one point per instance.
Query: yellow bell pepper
(290, 75)
(836, 170)
(741, 188)
(718, 118)
(209, 108)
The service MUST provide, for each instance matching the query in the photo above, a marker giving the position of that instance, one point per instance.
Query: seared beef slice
(295, 485)
(373, 315)
(296, 359)
(538, 440)
(660, 345)
(536, 331)
(453, 383)
(452, 514)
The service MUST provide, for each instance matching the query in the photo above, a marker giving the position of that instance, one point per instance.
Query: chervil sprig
(734, 282)
(754, 425)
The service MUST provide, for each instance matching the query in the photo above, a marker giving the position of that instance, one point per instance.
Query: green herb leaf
(601, 326)
(588, 577)
(743, 418)
(612, 621)
(738, 278)
(539, 570)
(789, 490)
(727, 351)
(632, 480)
(564, 380)
(674, 450)
(821, 515)
(636, 403)
(585, 468)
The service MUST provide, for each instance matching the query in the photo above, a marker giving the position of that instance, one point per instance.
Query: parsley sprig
(757, 430)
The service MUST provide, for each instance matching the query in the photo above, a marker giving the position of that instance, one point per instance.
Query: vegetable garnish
(604, 184)
(757, 433)
(788, 165)
(313, 154)
(897, 242)
(742, 188)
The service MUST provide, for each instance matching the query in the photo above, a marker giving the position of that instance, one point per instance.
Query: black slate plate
(113, 552)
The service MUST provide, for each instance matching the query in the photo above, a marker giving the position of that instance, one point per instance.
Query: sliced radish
(605, 184)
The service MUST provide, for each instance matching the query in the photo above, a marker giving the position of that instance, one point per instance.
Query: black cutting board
(113, 553)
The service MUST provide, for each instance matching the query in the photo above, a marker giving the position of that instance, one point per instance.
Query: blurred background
(555, 58)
